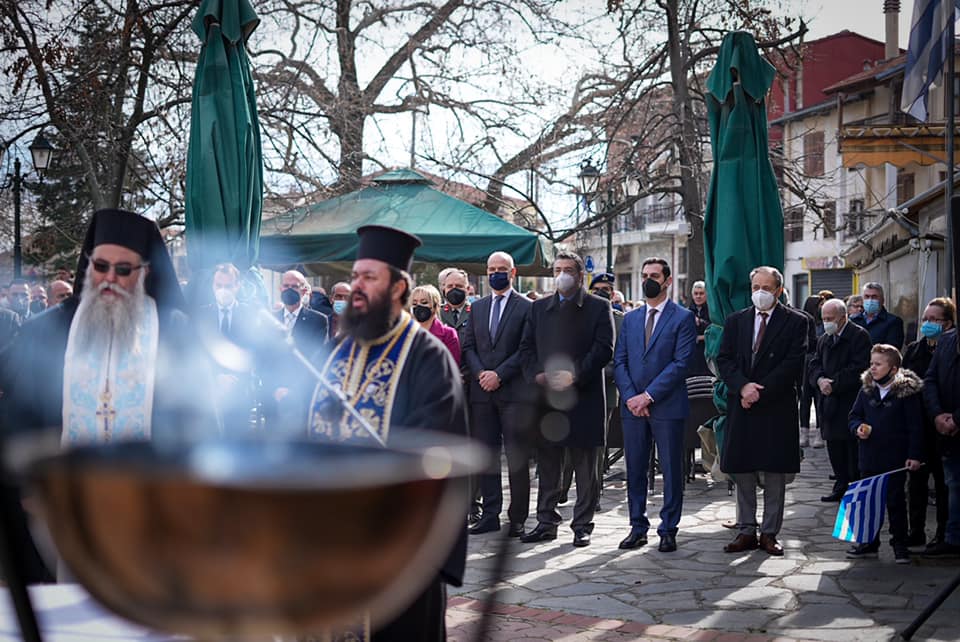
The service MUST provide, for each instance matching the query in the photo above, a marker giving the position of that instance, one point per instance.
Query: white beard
(103, 321)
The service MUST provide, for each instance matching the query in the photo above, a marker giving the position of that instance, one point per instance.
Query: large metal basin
(243, 538)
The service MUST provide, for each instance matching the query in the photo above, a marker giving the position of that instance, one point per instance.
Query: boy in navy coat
(886, 418)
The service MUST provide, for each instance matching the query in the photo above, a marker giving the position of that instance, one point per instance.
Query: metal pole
(610, 245)
(953, 265)
(16, 219)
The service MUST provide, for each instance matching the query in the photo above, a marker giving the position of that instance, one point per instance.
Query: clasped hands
(639, 405)
(489, 380)
(750, 394)
(558, 380)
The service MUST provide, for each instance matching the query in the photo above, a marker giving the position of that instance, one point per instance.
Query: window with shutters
(905, 182)
(793, 224)
(813, 154)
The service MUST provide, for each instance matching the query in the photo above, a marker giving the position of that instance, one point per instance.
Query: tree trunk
(688, 152)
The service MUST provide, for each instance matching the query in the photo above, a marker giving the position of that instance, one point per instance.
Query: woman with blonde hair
(425, 307)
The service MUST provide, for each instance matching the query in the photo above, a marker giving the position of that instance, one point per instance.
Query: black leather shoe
(835, 496)
(473, 518)
(542, 533)
(581, 538)
(634, 540)
(668, 543)
(515, 530)
(485, 525)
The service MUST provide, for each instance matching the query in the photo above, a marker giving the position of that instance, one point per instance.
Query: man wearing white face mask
(566, 343)
(230, 320)
(761, 362)
(842, 354)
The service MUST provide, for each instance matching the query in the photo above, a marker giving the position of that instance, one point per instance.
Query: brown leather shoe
(741, 543)
(770, 544)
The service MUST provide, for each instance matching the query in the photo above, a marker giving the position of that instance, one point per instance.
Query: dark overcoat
(843, 362)
(896, 423)
(766, 436)
(576, 333)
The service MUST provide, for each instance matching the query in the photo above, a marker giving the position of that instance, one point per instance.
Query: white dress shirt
(503, 304)
(659, 308)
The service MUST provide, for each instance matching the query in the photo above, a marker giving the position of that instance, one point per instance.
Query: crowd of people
(544, 380)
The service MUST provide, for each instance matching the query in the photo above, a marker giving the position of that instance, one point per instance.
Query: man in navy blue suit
(651, 359)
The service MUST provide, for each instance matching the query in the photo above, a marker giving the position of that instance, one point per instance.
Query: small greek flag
(928, 50)
(860, 515)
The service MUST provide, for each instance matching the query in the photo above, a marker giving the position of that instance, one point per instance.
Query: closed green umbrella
(224, 161)
(743, 224)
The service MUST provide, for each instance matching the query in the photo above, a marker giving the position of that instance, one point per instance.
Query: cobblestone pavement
(553, 591)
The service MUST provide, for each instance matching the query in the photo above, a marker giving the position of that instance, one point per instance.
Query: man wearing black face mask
(501, 402)
(453, 287)
(651, 360)
(287, 386)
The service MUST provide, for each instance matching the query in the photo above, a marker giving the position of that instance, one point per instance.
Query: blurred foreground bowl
(242, 538)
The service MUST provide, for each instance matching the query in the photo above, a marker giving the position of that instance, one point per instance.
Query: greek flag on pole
(860, 515)
(927, 53)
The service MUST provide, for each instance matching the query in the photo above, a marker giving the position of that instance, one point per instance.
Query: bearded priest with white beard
(114, 361)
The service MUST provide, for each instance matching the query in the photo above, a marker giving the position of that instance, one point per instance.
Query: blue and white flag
(927, 53)
(860, 515)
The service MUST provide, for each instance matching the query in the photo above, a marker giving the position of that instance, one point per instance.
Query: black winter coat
(843, 362)
(765, 437)
(896, 423)
(941, 391)
(576, 334)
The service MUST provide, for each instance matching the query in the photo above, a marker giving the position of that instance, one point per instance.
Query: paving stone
(754, 596)
(544, 579)
(826, 616)
(881, 600)
(808, 582)
(597, 605)
(724, 619)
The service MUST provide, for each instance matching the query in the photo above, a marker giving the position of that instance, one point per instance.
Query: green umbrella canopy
(224, 193)
(323, 237)
(743, 223)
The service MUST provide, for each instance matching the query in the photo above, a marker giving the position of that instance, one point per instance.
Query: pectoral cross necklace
(105, 410)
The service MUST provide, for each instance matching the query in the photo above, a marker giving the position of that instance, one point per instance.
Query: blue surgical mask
(339, 307)
(871, 306)
(931, 329)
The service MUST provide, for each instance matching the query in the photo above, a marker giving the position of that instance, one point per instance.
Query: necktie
(763, 328)
(225, 322)
(651, 315)
(456, 317)
(495, 316)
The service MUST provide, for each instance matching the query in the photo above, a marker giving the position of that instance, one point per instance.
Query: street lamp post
(590, 185)
(41, 152)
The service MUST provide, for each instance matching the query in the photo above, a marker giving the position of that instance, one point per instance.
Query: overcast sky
(863, 16)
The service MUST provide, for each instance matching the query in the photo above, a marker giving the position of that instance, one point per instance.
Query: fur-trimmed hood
(905, 383)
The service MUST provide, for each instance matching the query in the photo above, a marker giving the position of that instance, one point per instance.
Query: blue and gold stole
(367, 372)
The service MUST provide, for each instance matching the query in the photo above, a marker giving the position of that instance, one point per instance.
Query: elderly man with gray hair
(842, 354)
(883, 326)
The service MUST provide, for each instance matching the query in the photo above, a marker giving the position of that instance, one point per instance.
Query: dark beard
(369, 325)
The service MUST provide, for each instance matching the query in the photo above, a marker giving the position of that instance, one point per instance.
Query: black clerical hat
(388, 244)
(140, 234)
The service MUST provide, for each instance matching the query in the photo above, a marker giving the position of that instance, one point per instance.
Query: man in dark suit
(842, 354)
(941, 396)
(566, 344)
(883, 326)
(651, 359)
(287, 383)
(501, 401)
(229, 320)
(456, 309)
(761, 362)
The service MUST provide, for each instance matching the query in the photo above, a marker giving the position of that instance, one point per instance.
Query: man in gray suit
(501, 401)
